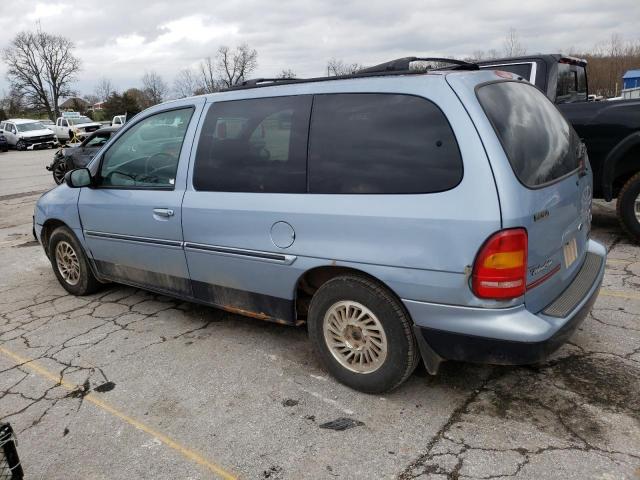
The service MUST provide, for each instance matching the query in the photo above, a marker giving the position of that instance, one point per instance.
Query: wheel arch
(312, 279)
(620, 164)
(47, 229)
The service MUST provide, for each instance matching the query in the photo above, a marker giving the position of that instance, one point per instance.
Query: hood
(35, 133)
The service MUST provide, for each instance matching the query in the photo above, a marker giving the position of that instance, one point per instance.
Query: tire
(348, 294)
(628, 207)
(64, 249)
(58, 171)
(21, 145)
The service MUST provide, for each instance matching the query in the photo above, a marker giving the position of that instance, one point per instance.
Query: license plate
(570, 250)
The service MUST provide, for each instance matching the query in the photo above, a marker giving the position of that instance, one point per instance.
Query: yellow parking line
(620, 261)
(626, 295)
(184, 451)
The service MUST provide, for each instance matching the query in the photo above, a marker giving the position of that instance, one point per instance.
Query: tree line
(42, 69)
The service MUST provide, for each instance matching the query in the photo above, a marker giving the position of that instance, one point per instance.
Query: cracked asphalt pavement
(128, 384)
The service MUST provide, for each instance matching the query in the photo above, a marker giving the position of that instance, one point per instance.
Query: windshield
(538, 141)
(79, 120)
(30, 127)
(572, 83)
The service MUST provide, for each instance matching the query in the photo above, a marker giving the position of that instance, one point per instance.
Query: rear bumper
(509, 336)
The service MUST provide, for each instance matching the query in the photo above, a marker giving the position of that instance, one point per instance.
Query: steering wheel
(157, 162)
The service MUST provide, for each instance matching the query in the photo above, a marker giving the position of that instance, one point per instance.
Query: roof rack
(404, 64)
(400, 66)
(253, 82)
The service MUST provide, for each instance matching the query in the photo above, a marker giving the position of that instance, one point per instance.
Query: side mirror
(80, 177)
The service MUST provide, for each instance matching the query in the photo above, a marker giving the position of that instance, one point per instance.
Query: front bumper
(38, 145)
(509, 336)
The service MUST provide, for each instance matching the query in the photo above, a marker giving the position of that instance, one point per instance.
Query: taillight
(500, 269)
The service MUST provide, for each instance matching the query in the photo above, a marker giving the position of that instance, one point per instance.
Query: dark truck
(610, 129)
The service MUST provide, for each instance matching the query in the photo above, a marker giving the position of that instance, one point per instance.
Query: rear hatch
(548, 188)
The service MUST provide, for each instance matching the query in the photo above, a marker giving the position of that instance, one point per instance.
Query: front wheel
(21, 145)
(362, 334)
(70, 264)
(629, 207)
(59, 170)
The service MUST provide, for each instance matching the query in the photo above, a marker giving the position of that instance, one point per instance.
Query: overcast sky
(120, 39)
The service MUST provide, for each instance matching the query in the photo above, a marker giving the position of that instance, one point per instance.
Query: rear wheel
(70, 264)
(629, 207)
(362, 334)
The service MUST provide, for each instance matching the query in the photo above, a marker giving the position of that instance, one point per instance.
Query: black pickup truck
(610, 129)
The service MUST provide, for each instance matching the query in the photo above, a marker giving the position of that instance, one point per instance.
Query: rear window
(540, 144)
(572, 83)
(520, 69)
(381, 143)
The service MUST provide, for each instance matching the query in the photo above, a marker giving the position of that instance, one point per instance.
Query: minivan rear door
(545, 184)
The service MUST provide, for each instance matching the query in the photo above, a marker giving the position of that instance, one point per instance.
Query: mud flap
(430, 358)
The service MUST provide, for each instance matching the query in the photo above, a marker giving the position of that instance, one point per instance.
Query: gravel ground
(128, 384)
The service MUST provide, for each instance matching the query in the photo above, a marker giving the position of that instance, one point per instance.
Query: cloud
(121, 39)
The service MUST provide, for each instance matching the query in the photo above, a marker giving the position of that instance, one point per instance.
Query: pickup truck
(74, 127)
(118, 121)
(610, 130)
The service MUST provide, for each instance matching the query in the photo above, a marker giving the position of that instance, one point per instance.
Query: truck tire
(628, 207)
(21, 145)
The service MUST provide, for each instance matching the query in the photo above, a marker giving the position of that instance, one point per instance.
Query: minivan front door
(132, 217)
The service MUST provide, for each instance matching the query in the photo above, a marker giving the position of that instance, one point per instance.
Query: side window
(12, 128)
(256, 145)
(381, 143)
(1, 125)
(99, 140)
(147, 154)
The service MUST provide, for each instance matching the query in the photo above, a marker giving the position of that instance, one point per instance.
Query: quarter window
(147, 154)
(256, 145)
(381, 143)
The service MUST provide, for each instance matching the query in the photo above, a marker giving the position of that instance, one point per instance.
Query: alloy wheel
(355, 337)
(67, 263)
(59, 170)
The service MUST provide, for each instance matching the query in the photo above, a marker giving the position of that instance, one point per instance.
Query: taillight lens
(500, 269)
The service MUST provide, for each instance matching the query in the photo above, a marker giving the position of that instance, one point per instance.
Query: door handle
(163, 212)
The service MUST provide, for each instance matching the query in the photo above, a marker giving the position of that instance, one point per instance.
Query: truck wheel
(362, 334)
(70, 264)
(629, 207)
(21, 145)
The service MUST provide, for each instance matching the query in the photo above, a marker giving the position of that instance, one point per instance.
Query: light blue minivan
(400, 214)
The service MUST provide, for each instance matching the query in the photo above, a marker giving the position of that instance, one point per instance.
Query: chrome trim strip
(131, 238)
(242, 253)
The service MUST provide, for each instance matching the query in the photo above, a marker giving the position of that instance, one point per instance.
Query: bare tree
(336, 67)
(208, 81)
(154, 87)
(234, 66)
(512, 46)
(103, 89)
(607, 62)
(286, 73)
(42, 68)
(185, 84)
